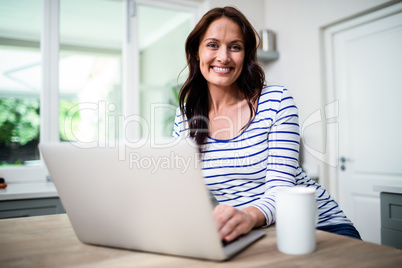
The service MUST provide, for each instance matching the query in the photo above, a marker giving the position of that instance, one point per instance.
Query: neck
(222, 97)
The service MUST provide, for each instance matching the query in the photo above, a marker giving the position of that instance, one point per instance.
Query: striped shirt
(248, 169)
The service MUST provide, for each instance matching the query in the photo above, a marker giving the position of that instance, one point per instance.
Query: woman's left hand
(232, 222)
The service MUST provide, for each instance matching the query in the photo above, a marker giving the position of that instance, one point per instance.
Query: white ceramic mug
(296, 220)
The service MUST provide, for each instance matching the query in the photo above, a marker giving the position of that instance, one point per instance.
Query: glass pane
(161, 37)
(90, 69)
(20, 81)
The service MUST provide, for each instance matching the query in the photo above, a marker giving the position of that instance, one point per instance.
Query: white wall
(297, 24)
(252, 9)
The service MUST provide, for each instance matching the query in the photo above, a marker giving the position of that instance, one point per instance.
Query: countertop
(28, 190)
(49, 241)
(388, 189)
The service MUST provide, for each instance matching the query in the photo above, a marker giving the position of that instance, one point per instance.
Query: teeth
(221, 69)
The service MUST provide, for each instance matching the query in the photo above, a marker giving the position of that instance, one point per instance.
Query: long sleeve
(283, 152)
(179, 127)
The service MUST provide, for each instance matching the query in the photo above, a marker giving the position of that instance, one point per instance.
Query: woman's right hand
(232, 222)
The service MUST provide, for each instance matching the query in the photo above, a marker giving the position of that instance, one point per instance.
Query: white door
(366, 78)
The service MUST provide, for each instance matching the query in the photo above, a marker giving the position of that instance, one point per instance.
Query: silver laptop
(147, 197)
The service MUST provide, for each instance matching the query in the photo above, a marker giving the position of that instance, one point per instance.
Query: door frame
(329, 174)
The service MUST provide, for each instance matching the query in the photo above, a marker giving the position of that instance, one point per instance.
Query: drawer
(30, 207)
(391, 211)
(391, 238)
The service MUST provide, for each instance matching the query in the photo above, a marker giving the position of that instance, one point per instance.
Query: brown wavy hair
(193, 96)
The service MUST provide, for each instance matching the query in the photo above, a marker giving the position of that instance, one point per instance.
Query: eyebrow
(217, 40)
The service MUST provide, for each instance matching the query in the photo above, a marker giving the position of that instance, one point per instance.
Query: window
(105, 60)
(162, 59)
(20, 83)
(90, 69)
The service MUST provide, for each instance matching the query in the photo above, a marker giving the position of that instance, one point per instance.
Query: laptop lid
(148, 198)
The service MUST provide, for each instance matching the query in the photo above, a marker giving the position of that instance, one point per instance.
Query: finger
(234, 232)
(237, 225)
(222, 214)
(232, 235)
(231, 228)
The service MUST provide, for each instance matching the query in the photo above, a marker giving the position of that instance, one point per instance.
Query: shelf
(267, 56)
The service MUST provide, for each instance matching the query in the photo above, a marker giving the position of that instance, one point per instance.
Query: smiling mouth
(221, 69)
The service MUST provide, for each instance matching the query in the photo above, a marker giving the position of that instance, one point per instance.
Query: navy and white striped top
(248, 169)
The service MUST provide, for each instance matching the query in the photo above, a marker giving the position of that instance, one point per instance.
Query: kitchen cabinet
(29, 199)
(30, 207)
(391, 219)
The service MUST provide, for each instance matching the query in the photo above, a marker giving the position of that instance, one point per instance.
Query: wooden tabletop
(49, 241)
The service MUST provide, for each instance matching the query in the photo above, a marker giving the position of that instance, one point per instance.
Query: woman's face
(221, 53)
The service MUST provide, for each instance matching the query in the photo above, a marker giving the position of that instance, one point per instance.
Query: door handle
(343, 161)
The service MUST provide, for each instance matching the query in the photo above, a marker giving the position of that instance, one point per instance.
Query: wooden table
(49, 241)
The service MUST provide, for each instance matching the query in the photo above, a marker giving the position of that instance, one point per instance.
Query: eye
(236, 47)
(212, 45)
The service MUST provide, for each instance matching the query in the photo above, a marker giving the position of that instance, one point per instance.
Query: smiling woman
(216, 47)
(221, 54)
(224, 83)
(248, 133)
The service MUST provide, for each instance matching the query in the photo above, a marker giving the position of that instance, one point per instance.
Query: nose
(223, 55)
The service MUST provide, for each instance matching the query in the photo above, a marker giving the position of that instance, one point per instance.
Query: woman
(248, 134)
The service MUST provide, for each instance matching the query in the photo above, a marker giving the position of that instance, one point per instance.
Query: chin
(222, 84)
